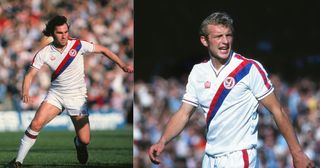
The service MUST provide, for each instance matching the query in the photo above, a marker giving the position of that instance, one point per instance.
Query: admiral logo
(73, 52)
(207, 84)
(229, 82)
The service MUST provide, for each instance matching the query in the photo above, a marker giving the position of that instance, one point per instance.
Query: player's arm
(175, 125)
(27, 83)
(105, 51)
(285, 127)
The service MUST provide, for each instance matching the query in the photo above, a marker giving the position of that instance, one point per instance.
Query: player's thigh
(45, 113)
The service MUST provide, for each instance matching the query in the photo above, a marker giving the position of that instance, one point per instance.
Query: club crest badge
(229, 82)
(207, 84)
(73, 52)
(52, 57)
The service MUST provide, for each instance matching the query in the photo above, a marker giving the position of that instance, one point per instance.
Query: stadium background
(282, 35)
(110, 90)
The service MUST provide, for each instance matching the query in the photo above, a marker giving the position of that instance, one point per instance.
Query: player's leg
(44, 114)
(82, 128)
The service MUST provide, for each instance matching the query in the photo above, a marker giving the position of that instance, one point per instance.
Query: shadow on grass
(80, 166)
(53, 150)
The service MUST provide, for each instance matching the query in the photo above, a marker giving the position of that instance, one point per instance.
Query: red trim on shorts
(30, 135)
(245, 158)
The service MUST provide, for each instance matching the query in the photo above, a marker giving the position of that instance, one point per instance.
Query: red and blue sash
(241, 71)
(72, 53)
(238, 73)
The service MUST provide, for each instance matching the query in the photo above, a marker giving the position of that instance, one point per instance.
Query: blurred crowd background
(105, 22)
(157, 100)
(110, 23)
(167, 43)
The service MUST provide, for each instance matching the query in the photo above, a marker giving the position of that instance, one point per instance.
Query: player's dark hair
(216, 18)
(55, 21)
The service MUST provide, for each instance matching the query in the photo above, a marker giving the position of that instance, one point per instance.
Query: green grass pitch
(110, 148)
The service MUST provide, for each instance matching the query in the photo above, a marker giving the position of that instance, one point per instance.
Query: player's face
(60, 35)
(218, 41)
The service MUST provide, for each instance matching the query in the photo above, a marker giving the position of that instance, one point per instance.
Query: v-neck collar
(217, 71)
(56, 49)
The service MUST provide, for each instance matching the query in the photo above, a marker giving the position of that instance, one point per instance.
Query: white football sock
(27, 142)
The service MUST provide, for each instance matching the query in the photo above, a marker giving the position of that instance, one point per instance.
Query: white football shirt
(71, 81)
(229, 99)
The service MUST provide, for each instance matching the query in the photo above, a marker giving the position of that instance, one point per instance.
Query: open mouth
(224, 49)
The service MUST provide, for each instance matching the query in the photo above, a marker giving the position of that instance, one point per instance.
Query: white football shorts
(246, 158)
(73, 105)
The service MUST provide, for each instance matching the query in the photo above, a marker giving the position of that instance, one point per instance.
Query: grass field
(56, 149)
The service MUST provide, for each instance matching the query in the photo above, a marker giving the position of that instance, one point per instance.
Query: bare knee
(36, 125)
(85, 140)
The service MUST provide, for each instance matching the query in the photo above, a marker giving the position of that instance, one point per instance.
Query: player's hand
(127, 68)
(301, 160)
(155, 151)
(26, 98)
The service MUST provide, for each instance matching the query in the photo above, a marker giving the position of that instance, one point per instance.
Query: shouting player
(228, 89)
(67, 92)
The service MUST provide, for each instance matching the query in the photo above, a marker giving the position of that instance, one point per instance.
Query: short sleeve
(37, 61)
(260, 84)
(190, 95)
(87, 47)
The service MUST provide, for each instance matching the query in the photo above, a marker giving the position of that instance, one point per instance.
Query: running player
(228, 89)
(67, 92)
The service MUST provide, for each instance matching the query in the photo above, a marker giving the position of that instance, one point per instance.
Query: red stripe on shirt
(221, 88)
(64, 61)
(262, 73)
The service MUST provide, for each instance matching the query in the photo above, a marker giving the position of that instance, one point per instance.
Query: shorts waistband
(228, 153)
